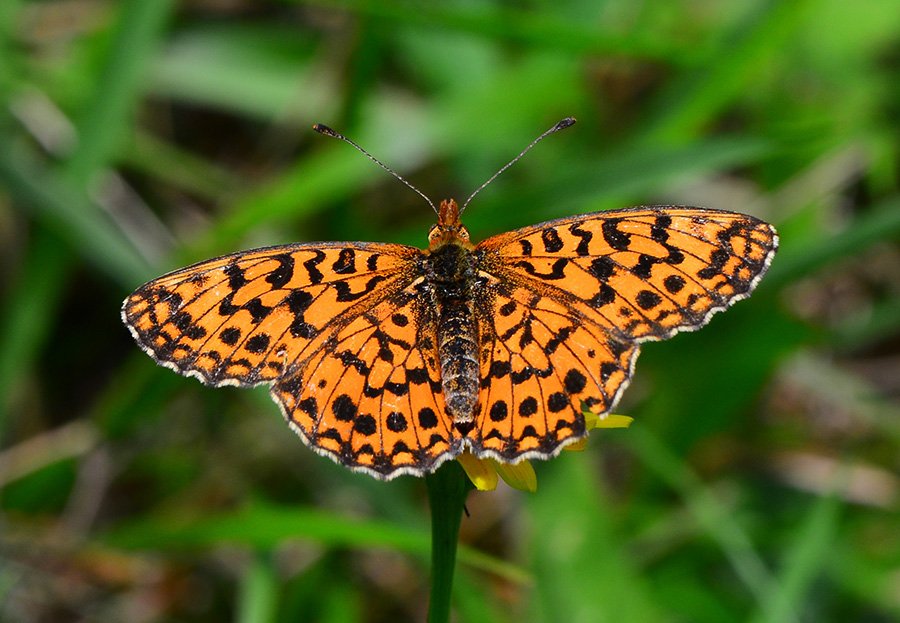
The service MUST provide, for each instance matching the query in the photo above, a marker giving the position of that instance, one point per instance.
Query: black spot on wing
(644, 267)
(607, 369)
(647, 299)
(557, 402)
(575, 381)
(526, 247)
(674, 283)
(298, 301)
(396, 422)
(346, 262)
(717, 261)
(605, 296)
(528, 407)
(236, 279)
(602, 268)
(400, 320)
(258, 343)
(314, 274)
(618, 240)
(659, 230)
(230, 336)
(499, 411)
(345, 294)
(583, 247)
(281, 275)
(365, 425)
(427, 418)
(257, 309)
(343, 408)
(557, 271)
(552, 241)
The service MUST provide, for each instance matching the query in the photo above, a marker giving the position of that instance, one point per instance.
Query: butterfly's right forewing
(252, 317)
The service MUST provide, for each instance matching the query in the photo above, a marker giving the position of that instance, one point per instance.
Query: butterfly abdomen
(457, 351)
(451, 274)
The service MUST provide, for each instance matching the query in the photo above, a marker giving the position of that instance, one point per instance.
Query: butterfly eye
(463, 233)
(434, 232)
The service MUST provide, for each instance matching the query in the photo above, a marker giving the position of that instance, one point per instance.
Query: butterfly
(391, 359)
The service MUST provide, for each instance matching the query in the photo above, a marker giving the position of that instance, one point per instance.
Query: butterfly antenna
(562, 125)
(324, 129)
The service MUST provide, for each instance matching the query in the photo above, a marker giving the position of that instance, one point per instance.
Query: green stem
(448, 488)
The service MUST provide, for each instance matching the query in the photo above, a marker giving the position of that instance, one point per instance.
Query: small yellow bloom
(520, 476)
(485, 473)
(592, 421)
(482, 473)
(615, 420)
(577, 446)
(610, 420)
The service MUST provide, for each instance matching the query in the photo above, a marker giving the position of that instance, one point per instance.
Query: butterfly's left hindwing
(542, 362)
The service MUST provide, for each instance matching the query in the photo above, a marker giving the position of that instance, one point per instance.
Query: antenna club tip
(565, 123)
(321, 128)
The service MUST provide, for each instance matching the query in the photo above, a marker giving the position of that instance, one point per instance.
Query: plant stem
(448, 488)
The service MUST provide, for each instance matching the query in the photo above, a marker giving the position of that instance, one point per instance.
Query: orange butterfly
(391, 360)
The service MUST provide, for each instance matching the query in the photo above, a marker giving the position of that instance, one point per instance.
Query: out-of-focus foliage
(760, 479)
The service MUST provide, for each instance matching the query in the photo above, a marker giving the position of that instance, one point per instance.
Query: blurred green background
(760, 479)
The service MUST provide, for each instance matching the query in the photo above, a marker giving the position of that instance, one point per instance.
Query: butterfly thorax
(451, 276)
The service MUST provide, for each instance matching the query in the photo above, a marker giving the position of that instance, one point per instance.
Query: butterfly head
(448, 229)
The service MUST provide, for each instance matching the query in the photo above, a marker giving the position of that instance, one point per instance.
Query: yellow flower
(482, 474)
(592, 421)
(485, 473)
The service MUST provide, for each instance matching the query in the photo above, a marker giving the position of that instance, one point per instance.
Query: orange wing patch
(372, 397)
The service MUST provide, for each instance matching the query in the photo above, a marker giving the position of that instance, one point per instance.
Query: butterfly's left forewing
(644, 273)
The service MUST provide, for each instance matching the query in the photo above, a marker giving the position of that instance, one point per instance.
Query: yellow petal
(590, 419)
(482, 473)
(610, 420)
(614, 420)
(577, 446)
(520, 476)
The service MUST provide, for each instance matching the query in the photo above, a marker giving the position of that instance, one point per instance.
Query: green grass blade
(715, 520)
(805, 562)
(802, 258)
(257, 599)
(263, 527)
(691, 101)
(120, 82)
(25, 318)
(583, 569)
(67, 211)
